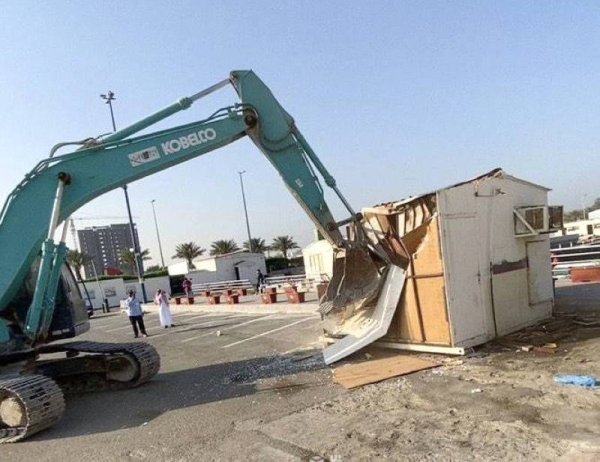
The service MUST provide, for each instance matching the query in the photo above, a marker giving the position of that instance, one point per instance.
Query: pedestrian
(187, 287)
(164, 311)
(260, 280)
(135, 313)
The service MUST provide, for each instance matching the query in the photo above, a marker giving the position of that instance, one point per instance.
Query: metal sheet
(377, 325)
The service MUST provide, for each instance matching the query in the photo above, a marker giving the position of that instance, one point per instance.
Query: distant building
(229, 267)
(583, 228)
(318, 260)
(559, 241)
(105, 245)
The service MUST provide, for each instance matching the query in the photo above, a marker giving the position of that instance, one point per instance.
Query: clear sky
(397, 98)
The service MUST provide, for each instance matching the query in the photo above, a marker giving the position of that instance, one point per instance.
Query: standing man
(187, 287)
(260, 280)
(134, 311)
(164, 311)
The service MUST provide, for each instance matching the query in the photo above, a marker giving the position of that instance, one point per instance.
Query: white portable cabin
(228, 267)
(480, 261)
(318, 259)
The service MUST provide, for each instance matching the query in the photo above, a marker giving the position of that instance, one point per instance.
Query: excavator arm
(59, 185)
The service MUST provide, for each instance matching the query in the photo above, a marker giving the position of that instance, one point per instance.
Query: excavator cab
(70, 316)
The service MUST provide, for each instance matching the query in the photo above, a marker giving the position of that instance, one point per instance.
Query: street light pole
(245, 210)
(136, 249)
(109, 98)
(162, 260)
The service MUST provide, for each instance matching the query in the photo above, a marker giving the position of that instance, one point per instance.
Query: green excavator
(40, 302)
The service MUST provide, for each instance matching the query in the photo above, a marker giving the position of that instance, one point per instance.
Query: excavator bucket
(355, 281)
(352, 311)
(369, 324)
(361, 299)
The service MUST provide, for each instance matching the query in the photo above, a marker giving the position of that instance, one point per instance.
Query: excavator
(40, 303)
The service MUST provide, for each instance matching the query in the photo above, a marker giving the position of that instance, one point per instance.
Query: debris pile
(545, 336)
(279, 366)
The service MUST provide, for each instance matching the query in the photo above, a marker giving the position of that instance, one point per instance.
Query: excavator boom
(59, 185)
(38, 295)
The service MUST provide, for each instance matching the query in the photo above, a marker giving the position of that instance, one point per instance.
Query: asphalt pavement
(220, 372)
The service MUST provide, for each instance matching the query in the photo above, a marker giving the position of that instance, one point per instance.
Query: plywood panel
(422, 313)
(432, 301)
(356, 375)
(428, 259)
(410, 326)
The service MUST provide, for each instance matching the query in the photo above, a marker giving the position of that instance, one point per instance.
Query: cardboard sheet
(357, 375)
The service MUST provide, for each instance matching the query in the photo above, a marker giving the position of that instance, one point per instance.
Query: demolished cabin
(479, 261)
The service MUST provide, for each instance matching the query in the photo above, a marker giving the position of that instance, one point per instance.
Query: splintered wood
(357, 375)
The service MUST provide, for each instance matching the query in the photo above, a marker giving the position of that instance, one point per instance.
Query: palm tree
(78, 260)
(127, 257)
(221, 247)
(258, 245)
(283, 244)
(188, 251)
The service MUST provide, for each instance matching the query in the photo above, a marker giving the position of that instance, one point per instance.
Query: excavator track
(34, 401)
(141, 359)
(28, 404)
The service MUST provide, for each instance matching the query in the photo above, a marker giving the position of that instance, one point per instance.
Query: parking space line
(189, 319)
(179, 317)
(228, 328)
(202, 324)
(177, 325)
(268, 332)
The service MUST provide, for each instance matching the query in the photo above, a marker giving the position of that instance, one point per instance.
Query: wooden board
(356, 375)
(426, 319)
(432, 303)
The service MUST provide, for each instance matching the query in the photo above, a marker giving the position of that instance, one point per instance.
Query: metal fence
(297, 279)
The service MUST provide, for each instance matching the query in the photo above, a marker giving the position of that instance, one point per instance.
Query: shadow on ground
(577, 297)
(109, 411)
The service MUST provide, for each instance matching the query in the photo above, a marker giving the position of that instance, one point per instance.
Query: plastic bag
(579, 380)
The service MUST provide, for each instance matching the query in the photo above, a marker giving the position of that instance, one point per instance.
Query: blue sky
(397, 98)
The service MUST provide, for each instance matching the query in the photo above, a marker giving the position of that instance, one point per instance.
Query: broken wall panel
(422, 312)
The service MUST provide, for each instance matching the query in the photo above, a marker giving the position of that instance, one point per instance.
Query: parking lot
(201, 329)
(220, 373)
(259, 391)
